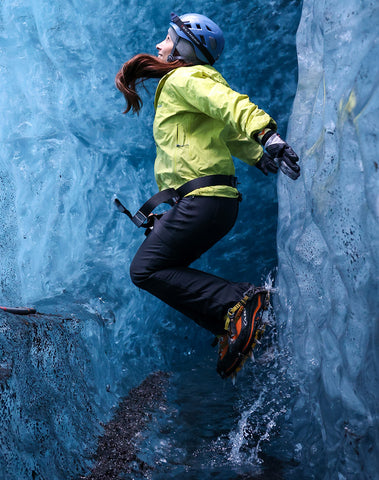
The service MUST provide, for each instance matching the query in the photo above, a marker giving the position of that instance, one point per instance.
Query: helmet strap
(172, 57)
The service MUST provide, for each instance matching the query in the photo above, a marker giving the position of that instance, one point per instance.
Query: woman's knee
(153, 256)
(138, 274)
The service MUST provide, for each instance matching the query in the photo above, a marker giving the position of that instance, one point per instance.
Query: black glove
(267, 164)
(280, 151)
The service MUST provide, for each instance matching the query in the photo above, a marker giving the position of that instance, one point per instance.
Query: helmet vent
(198, 26)
(206, 26)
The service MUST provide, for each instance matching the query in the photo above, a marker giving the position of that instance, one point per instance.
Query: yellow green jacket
(200, 122)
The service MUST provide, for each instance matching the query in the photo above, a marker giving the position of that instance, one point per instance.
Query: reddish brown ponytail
(136, 71)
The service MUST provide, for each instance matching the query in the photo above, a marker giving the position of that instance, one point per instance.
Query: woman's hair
(136, 71)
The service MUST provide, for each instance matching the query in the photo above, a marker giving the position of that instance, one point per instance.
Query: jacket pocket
(180, 136)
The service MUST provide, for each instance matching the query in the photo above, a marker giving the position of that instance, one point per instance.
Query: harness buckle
(139, 219)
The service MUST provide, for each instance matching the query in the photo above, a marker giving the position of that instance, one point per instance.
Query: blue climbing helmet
(204, 36)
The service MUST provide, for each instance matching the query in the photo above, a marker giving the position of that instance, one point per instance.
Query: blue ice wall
(328, 241)
(66, 148)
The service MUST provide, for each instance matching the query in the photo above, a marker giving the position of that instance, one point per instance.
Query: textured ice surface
(51, 392)
(328, 240)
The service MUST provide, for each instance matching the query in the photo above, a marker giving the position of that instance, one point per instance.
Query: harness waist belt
(172, 195)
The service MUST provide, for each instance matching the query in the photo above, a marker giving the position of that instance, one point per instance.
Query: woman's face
(164, 48)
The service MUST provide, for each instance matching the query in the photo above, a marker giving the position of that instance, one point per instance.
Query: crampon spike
(267, 301)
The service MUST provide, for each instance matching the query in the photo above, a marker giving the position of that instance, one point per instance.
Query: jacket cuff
(262, 136)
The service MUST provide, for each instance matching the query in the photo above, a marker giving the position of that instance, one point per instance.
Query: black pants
(183, 234)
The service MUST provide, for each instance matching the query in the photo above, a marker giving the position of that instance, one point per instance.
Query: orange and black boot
(244, 328)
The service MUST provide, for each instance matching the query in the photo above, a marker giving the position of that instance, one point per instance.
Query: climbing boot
(243, 330)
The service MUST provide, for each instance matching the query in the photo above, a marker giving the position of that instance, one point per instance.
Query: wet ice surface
(328, 241)
(46, 399)
(61, 384)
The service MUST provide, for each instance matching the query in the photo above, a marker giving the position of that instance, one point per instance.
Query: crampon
(244, 329)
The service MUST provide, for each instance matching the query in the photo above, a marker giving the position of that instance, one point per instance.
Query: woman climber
(200, 122)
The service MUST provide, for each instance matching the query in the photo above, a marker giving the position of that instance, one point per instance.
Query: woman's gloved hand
(267, 164)
(281, 153)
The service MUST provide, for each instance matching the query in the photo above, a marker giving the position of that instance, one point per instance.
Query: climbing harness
(171, 196)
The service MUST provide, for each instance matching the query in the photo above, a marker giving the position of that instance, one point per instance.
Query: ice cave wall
(328, 239)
